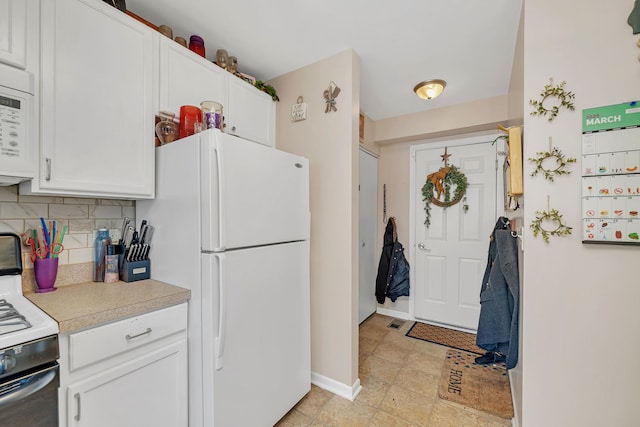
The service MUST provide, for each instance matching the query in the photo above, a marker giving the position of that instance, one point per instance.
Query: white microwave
(17, 114)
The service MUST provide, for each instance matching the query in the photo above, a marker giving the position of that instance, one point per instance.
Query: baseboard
(512, 382)
(393, 313)
(336, 387)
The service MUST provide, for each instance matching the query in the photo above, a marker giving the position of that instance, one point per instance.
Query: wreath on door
(438, 187)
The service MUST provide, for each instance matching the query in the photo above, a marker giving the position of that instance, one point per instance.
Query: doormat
(444, 336)
(482, 387)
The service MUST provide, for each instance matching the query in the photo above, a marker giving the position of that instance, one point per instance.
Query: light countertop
(86, 305)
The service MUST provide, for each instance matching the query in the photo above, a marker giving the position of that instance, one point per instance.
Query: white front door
(451, 254)
(368, 216)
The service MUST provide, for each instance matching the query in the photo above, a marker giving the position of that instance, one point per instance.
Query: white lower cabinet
(128, 373)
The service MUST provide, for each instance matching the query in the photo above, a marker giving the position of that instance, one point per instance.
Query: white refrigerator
(232, 224)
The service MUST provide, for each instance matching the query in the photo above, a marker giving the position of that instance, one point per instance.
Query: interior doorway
(450, 254)
(368, 205)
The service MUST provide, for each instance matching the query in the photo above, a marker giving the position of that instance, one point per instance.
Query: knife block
(132, 271)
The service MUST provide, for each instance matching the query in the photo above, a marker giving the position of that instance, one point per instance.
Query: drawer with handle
(99, 343)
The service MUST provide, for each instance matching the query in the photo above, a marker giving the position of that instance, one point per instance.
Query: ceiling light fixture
(430, 89)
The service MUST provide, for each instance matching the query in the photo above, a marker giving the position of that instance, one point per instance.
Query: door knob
(422, 247)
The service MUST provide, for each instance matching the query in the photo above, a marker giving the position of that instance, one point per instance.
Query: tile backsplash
(83, 216)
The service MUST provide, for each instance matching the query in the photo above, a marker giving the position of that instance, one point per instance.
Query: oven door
(31, 399)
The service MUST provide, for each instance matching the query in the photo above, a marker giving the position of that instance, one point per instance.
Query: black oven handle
(26, 386)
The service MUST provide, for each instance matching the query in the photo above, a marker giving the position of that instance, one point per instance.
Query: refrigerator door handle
(222, 211)
(222, 313)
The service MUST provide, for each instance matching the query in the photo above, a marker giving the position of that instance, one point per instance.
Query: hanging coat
(393, 270)
(499, 296)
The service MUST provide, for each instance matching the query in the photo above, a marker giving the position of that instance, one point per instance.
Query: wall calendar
(611, 174)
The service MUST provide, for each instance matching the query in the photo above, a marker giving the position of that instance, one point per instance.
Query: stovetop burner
(10, 319)
(21, 321)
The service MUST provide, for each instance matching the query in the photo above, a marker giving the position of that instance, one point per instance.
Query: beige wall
(471, 117)
(580, 315)
(330, 142)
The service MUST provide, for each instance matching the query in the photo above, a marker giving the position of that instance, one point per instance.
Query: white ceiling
(468, 43)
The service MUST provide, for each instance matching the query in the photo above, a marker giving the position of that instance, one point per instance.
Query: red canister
(196, 44)
(190, 119)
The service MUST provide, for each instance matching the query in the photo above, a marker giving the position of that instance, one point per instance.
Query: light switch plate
(299, 112)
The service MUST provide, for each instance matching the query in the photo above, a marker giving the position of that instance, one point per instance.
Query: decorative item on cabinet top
(166, 127)
(267, 88)
(223, 60)
(118, 4)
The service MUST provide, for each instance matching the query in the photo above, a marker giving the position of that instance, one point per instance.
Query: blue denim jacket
(499, 296)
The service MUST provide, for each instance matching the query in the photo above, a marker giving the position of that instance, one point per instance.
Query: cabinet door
(250, 113)
(97, 127)
(13, 30)
(148, 391)
(187, 79)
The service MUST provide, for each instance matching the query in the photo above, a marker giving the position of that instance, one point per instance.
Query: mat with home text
(482, 387)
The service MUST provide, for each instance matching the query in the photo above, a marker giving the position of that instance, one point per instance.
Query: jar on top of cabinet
(196, 44)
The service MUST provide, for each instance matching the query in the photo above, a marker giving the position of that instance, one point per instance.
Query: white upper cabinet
(250, 113)
(187, 78)
(13, 31)
(96, 107)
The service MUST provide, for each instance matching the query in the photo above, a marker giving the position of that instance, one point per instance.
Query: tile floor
(400, 377)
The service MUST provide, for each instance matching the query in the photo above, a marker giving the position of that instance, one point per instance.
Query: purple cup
(213, 120)
(46, 270)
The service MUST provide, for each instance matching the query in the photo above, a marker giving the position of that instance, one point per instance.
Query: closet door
(368, 196)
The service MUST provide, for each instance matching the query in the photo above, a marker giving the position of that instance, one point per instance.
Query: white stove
(29, 371)
(20, 320)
